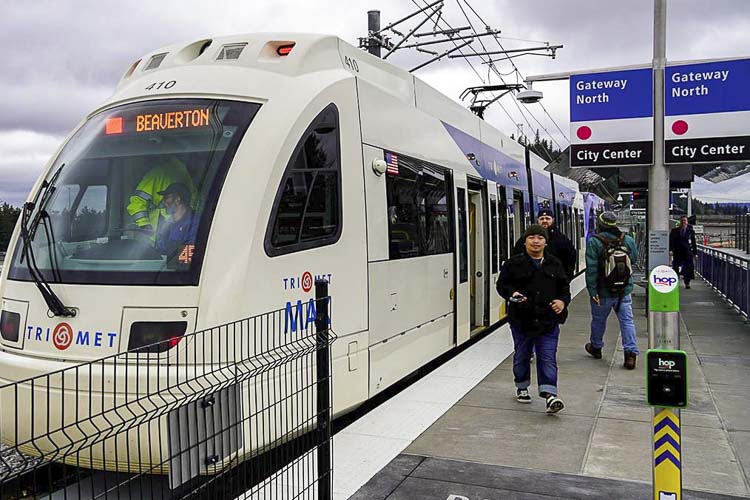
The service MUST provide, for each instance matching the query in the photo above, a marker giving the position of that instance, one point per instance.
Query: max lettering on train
(300, 316)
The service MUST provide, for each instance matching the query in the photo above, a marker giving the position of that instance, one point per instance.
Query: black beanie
(535, 229)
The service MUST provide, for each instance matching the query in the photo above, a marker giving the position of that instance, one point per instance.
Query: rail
(239, 410)
(742, 232)
(728, 273)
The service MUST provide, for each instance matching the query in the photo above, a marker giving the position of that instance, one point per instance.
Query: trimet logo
(62, 336)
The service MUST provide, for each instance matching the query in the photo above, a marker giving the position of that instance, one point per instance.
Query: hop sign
(62, 336)
(664, 294)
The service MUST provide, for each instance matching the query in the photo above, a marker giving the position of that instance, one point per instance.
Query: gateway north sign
(612, 118)
(707, 112)
(706, 115)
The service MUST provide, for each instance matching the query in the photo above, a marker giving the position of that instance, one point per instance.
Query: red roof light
(284, 50)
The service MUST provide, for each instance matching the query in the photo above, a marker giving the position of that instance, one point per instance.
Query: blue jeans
(599, 315)
(546, 359)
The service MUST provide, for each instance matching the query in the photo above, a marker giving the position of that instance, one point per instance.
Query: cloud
(732, 190)
(67, 57)
(25, 154)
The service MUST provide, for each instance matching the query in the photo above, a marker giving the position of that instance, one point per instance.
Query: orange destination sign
(189, 118)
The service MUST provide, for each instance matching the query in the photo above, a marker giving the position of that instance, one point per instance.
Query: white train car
(303, 157)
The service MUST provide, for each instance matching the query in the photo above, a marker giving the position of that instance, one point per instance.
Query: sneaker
(596, 353)
(630, 360)
(554, 404)
(523, 396)
(687, 285)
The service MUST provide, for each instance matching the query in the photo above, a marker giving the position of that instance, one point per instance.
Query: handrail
(728, 273)
(706, 248)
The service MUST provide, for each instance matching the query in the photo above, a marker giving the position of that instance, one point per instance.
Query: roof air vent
(155, 61)
(231, 51)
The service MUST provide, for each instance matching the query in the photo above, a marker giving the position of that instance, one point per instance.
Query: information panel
(612, 118)
(707, 112)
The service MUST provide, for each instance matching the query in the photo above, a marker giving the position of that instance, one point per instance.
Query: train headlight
(10, 325)
(155, 336)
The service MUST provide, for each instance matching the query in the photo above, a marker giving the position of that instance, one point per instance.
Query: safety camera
(529, 96)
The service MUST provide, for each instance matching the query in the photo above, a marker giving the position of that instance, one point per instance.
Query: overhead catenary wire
(497, 39)
(479, 76)
(492, 67)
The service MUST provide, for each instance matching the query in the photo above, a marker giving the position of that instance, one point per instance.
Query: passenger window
(418, 221)
(493, 242)
(503, 224)
(307, 212)
(463, 244)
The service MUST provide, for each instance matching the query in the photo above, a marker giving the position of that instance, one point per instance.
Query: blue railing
(728, 273)
(742, 232)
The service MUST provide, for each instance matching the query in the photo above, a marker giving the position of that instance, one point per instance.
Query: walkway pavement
(487, 446)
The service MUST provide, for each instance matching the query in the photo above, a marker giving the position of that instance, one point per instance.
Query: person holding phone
(536, 286)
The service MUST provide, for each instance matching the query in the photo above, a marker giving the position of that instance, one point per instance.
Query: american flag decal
(392, 161)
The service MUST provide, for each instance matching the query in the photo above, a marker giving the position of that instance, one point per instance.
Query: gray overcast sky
(64, 58)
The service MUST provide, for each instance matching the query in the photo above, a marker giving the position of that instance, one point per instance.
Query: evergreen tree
(8, 217)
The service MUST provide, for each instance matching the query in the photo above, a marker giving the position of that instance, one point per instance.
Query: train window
(463, 246)
(418, 222)
(89, 220)
(493, 241)
(307, 212)
(132, 194)
(503, 215)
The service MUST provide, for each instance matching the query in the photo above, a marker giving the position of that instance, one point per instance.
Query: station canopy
(607, 181)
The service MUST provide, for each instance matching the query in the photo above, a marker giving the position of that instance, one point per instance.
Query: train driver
(177, 235)
(146, 208)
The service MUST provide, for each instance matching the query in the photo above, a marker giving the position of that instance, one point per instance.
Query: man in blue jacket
(603, 299)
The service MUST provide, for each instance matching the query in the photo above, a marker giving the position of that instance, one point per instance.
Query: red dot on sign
(583, 133)
(680, 127)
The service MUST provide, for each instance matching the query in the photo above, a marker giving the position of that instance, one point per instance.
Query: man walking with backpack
(609, 280)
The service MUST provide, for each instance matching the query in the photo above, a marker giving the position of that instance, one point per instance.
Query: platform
(488, 446)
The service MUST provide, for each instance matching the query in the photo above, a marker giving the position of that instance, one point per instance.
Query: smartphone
(518, 298)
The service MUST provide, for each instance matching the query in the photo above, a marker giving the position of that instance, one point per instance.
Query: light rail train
(290, 157)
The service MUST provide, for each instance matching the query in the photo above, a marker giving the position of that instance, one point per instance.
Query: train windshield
(130, 198)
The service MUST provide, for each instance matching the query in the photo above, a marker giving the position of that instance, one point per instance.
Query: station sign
(612, 118)
(707, 112)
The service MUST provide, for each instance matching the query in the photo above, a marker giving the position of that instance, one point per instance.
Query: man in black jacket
(683, 249)
(558, 244)
(537, 289)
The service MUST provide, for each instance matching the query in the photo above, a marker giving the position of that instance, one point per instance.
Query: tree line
(539, 146)
(8, 217)
(715, 208)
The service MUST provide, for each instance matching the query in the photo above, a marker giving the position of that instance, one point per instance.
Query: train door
(463, 291)
(494, 298)
(478, 258)
(518, 217)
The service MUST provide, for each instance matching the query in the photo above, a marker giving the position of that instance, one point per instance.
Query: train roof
(301, 54)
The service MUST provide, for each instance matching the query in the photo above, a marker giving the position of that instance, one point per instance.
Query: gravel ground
(10, 459)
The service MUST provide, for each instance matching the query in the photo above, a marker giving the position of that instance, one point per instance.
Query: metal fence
(742, 232)
(241, 410)
(728, 274)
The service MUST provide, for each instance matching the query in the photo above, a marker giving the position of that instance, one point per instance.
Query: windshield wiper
(28, 231)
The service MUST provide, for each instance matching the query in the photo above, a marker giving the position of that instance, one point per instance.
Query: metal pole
(323, 381)
(373, 27)
(395, 47)
(663, 327)
(690, 201)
